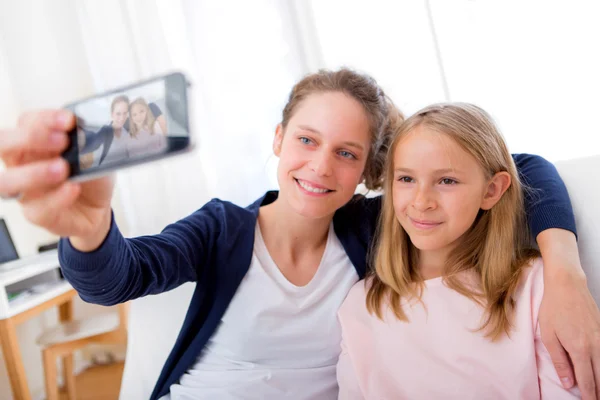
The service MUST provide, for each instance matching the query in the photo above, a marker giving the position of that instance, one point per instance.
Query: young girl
(451, 310)
(269, 277)
(147, 136)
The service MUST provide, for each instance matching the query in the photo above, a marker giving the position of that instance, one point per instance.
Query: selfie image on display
(143, 122)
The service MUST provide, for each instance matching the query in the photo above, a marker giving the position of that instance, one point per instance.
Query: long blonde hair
(148, 121)
(496, 245)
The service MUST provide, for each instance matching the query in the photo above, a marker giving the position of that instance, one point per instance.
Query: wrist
(561, 256)
(91, 242)
(561, 270)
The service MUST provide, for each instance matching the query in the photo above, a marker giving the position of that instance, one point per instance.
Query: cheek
(290, 159)
(290, 156)
(464, 208)
(349, 174)
(401, 200)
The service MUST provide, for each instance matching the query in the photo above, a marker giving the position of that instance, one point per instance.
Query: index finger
(38, 131)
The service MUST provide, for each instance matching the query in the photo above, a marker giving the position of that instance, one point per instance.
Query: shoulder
(355, 303)
(360, 212)
(106, 129)
(156, 127)
(363, 204)
(223, 208)
(531, 283)
(217, 215)
(532, 273)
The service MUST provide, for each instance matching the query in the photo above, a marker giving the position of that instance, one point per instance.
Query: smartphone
(131, 125)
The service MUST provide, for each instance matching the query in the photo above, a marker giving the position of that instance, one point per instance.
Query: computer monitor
(8, 252)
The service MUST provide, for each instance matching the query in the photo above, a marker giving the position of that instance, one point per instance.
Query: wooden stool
(63, 340)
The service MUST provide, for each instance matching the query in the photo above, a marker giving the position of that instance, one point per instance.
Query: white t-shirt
(276, 340)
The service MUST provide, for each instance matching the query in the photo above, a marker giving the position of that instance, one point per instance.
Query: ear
(496, 188)
(278, 140)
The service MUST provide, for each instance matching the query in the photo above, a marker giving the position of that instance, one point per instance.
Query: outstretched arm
(119, 269)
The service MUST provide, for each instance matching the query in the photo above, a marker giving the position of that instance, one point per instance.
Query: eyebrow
(437, 171)
(313, 130)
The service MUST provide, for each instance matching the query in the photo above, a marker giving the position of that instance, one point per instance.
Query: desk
(56, 293)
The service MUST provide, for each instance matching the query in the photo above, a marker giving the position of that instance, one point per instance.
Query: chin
(312, 211)
(426, 243)
(313, 208)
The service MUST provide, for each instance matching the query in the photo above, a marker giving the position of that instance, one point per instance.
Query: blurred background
(533, 65)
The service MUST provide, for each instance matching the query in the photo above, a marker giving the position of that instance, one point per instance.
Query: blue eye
(347, 154)
(448, 181)
(305, 140)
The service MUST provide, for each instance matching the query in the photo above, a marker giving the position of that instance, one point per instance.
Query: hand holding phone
(46, 152)
(36, 175)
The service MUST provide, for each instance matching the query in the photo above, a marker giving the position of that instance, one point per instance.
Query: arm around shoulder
(547, 201)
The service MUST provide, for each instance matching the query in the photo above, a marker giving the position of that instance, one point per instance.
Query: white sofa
(583, 183)
(154, 321)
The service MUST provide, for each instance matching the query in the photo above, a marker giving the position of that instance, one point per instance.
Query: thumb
(561, 361)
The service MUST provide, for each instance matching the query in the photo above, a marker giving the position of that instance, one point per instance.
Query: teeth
(311, 189)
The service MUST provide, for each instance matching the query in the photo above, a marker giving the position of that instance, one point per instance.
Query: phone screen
(135, 124)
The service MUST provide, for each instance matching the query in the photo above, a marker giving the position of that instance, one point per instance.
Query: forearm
(99, 268)
(119, 269)
(560, 254)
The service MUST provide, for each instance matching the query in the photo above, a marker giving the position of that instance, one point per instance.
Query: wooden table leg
(65, 313)
(13, 360)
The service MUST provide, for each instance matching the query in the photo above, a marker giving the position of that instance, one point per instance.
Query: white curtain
(242, 59)
(126, 41)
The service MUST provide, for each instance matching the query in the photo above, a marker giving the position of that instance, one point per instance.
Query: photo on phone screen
(128, 126)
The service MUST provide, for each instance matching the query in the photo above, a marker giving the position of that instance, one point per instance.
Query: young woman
(451, 310)
(270, 277)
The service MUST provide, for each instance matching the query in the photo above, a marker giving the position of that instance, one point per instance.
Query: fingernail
(566, 382)
(63, 117)
(57, 167)
(57, 139)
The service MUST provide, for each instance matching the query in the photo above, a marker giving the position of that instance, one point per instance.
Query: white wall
(533, 65)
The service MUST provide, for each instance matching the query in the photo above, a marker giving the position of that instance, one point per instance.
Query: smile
(424, 225)
(311, 188)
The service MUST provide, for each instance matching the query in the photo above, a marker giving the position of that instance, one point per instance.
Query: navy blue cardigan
(213, 247)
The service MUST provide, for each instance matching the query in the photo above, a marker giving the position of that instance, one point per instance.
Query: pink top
(436, 355)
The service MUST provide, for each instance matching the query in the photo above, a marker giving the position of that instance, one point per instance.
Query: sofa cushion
(581, 176)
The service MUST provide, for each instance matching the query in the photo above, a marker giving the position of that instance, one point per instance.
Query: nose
(424, 199)
(321, 163)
